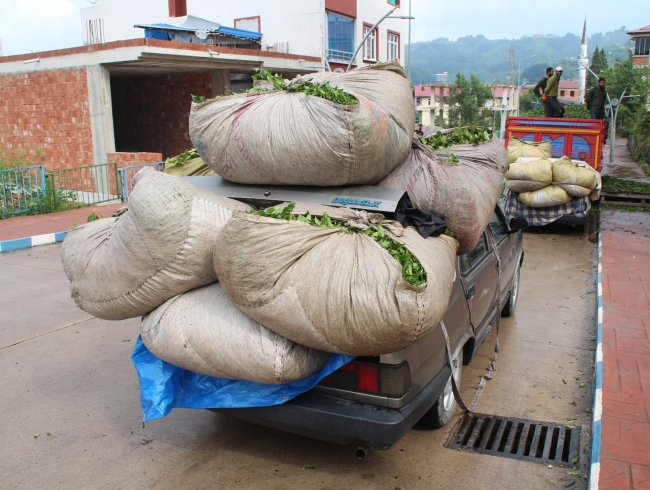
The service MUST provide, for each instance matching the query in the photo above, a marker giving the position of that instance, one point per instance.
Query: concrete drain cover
(517, 438)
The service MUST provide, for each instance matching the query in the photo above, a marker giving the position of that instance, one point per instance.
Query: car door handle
(469, 294)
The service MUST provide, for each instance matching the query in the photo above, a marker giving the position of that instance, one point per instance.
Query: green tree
(635, 82)
(467, 100)
(598, 65)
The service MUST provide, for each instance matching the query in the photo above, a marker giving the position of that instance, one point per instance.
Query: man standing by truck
(550, 92)
(539, 90)
(595, 100)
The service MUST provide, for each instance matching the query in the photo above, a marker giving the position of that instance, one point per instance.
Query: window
(641, 46)
(470, 259)
(393, 45)
(572, 93)
(340, 37)
(562, 93)
(370, 46)
(498, 227)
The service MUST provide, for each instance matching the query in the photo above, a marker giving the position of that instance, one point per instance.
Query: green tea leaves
(459, 136)
(412, 270)
(323, 90)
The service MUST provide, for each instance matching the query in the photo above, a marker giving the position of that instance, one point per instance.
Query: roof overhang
(147, 56)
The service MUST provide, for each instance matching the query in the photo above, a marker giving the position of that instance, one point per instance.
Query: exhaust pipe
(361, 453)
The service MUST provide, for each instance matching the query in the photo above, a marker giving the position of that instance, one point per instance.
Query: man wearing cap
(550, 92)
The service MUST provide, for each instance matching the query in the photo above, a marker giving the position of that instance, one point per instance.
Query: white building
(328, 29)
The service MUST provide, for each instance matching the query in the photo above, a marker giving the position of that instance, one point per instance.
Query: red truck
(578, 139)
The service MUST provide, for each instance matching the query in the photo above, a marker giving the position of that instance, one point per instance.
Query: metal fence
(35, 189)
(90, 184)
(21, 188)
(128, 173)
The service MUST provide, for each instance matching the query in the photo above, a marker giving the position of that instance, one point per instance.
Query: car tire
(509, 308)
(444, 408)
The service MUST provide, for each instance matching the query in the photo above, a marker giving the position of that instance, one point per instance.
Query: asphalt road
(70, 414)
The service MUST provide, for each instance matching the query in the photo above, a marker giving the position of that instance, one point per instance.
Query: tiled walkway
(625, 445)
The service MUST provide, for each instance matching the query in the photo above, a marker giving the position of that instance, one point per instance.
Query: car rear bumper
(329, 418)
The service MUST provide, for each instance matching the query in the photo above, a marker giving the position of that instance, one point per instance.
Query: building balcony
(339, 56)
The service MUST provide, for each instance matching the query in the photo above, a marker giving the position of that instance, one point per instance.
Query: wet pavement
(72, 419)
(623, 166)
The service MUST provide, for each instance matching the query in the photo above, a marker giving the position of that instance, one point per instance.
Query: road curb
(598, 382)
(32, 241)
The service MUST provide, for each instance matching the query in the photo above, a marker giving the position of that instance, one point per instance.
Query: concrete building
(327, 29)
(125, 96)
(432, 104)
(641, 39)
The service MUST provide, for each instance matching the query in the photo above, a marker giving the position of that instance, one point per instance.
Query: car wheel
(509, 308)
(445, 406)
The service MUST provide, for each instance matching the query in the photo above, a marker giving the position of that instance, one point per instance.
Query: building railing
(337, 55)
(34, 189)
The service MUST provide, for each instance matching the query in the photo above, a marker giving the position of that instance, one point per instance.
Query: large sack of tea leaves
(288, 137)
(567, 171)
(551, 195)
(335, 289)
(461, 182)
(518, 148)
(162, 246)
(204, 332)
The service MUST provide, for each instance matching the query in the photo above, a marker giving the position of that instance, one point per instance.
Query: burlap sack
(567, 171)
(531, 169)
(465, 193)
(525, 185)
(518, 148)
(203, 332)
(284, 137)
(551, 195)
(331, 290)
(162, 246)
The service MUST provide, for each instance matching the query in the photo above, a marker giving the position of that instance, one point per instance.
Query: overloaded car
(374, 401)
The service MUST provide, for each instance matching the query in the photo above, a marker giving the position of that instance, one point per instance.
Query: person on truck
(539, 90)
(550, 92)
(595, 100)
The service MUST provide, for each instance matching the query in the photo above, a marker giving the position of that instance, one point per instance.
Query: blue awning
(193, 24)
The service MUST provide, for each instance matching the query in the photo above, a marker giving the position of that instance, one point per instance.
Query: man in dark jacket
(539, 90)
(595, 100)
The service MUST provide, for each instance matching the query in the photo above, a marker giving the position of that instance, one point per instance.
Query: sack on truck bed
(518, 148)
(288, 137)
(566, 171)
(332, 289)
(551, 195)
(464, 188)
(162, 246)
(204, 332)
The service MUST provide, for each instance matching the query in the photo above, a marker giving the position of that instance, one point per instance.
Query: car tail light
(371, 377)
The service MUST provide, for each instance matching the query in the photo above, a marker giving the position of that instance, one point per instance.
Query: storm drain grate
(517, 438)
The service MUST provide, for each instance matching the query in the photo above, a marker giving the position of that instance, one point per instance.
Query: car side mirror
(517, 224)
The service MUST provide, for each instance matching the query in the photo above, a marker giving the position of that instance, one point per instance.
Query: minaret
(584, 62)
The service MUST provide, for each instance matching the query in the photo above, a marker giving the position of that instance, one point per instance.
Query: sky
(39, 25)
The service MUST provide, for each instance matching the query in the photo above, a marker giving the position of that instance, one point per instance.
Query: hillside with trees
(492, 60)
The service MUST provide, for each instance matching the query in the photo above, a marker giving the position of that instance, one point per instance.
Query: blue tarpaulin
(164, 387)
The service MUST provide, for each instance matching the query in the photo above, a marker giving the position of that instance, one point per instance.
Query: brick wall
(45, 115)
(150, 113)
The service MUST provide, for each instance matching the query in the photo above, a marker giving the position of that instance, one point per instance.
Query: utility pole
(371, 30)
